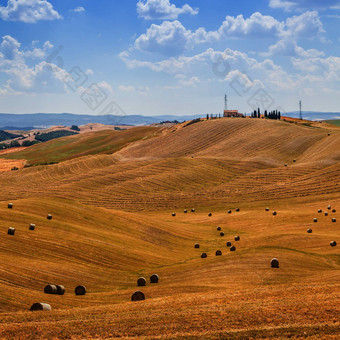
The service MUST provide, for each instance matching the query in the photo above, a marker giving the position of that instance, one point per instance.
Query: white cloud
(192, 82)
(289, 5)
(28, 11)
(257, 25)
(143, 90)
(172, 38)
(78, 9)
(162, 9)
(89, 72)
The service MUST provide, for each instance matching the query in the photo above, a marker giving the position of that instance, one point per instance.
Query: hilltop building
(232, 113)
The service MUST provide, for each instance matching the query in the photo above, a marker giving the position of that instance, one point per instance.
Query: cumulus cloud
(171, 38)
(143, 90)
(162, 9)
(290, 5)
(28, 11)
(43, 77)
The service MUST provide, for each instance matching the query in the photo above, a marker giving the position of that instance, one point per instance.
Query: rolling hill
(112, 197)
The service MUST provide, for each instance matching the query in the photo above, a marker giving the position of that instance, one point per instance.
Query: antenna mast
(300, 104)
(226, 102)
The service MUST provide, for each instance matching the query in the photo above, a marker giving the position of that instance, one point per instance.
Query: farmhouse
(232, 113)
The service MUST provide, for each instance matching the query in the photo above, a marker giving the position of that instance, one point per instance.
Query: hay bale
(39, 306)
(204, 255)
(49, 217)
(334, 220)
(333, 211)
(141, 282)
(228, 244)
(333, 243)
(138, 296)
(315, 220)
(193, 210)
(197, 245)
(50, 289)
(229, 211)
(274, 263)
(326, 213)
(154, 278)
(286, 164)
(218, 253)
(329, 207)
(309, 231)
(210, 214)
(232, 248)
(185, 211)
(237, 238)
(274, 213)
(218, 228)
(222, 234)
(294, 160)
(60, 289)
(319, 211)
(267, 209)
(80, 290)
(32, 226)
(11, 231)
(237, 209)
(10, 205)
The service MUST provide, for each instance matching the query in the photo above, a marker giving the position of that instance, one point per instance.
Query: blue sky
(155, 57)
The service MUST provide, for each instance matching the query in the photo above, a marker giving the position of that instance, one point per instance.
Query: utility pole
(300, 104)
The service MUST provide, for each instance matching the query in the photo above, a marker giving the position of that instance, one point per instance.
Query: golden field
(112, 223)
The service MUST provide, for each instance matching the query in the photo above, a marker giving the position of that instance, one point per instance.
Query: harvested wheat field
(112, 224)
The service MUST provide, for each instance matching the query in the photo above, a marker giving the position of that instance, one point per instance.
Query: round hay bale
(218, 228)
(232, 248)
(39, 306)
(222, 234)
(274, 263)
(11, 231)
(60, 289)
(309, 231)
(319, 211)
(229, 211)
(197, 245)
(80, 290)
(237, 209)
(138, 296)
(204, 255)
(315, 220)
(333, 243)
(10, 205)
(141, 282)
(334, 220)
(329, 207)
(274, 213)
(237, 238)
(210, 214)
(326, 213)
(32, 226)
(50, 289)
(185, 211)
(333, 211)
(173, 214)
(267, 209)
(294, 160)
(49, 217)
(286, 164)
(228, 244)
(193, 210)
(154, 278)
(218, 253)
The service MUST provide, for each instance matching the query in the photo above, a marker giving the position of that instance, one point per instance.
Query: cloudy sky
(154, 57)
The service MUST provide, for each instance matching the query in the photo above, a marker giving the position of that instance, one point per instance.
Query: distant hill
(45, 120)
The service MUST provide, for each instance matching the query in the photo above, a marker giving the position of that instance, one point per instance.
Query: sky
(160, 57)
